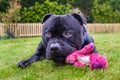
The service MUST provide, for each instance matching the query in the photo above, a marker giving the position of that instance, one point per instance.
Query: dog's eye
(67, 34)
(48, 34)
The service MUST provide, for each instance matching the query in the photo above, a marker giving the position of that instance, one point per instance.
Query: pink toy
(84, 57)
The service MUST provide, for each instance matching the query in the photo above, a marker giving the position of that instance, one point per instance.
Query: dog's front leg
(39, 55)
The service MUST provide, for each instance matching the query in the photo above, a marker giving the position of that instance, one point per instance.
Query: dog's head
(62, 34)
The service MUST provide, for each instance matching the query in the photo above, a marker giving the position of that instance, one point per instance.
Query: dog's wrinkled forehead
(56, 25)
(62, 22)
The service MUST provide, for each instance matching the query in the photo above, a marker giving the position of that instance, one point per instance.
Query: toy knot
(98, 65)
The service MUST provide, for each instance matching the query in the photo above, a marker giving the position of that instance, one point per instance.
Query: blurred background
(96, 11)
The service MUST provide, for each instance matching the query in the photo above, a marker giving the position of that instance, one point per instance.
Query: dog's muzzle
(55, 47)
(54, 50)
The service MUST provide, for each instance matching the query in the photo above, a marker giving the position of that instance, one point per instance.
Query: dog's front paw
(23, 64)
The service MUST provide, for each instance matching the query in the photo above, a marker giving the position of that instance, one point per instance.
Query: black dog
(61, 35)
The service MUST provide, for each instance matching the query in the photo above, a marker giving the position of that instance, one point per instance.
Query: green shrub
(36, 12)
(5, 37)
(8, 34)
(104, 11)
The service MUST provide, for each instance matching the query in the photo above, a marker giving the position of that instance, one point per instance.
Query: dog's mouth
(59, 57)
(54, 55)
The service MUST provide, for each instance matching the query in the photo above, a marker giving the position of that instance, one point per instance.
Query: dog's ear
(80, 18)
(46, 17)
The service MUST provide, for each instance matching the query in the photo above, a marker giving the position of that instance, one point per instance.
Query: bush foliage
(38, 10)
(98, 11)
(105, 11)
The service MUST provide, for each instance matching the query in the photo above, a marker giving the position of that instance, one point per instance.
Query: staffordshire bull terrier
(61, 35)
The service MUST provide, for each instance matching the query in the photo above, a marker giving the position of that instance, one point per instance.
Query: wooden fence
(34, 29)
(22, 29)
(104, 28)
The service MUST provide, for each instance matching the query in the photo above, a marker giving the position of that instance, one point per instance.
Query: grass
(14, 50)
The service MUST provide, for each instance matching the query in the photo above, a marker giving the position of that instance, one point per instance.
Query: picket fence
(34, 29)
(22, 29)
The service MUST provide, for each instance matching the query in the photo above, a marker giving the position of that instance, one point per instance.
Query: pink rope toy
(84, 57)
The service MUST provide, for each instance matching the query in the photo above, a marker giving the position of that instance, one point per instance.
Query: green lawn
(14, 50)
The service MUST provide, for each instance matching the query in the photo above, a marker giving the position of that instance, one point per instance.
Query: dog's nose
(54, 47)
